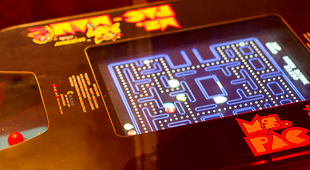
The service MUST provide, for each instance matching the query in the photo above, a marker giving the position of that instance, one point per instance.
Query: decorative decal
(105, 33)
(41, 35)
(152, 18)
(101, 28)
(262, 138)
(308, 109)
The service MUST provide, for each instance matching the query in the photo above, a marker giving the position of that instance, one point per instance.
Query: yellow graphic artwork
(100, 28)
(104, 33)
(41, 35)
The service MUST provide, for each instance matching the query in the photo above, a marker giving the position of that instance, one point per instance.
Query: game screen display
(162, 82)
(22, 113)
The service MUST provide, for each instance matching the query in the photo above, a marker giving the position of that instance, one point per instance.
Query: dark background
(25, 11)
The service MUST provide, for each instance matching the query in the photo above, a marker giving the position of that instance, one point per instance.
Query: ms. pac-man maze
(161, 92)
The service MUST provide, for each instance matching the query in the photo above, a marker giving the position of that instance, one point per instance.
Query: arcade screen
(182, 78)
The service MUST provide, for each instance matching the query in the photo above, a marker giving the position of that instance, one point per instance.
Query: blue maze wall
(242, 71)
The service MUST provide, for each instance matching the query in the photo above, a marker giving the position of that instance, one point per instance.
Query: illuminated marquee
(101, 28)
(262, 138)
